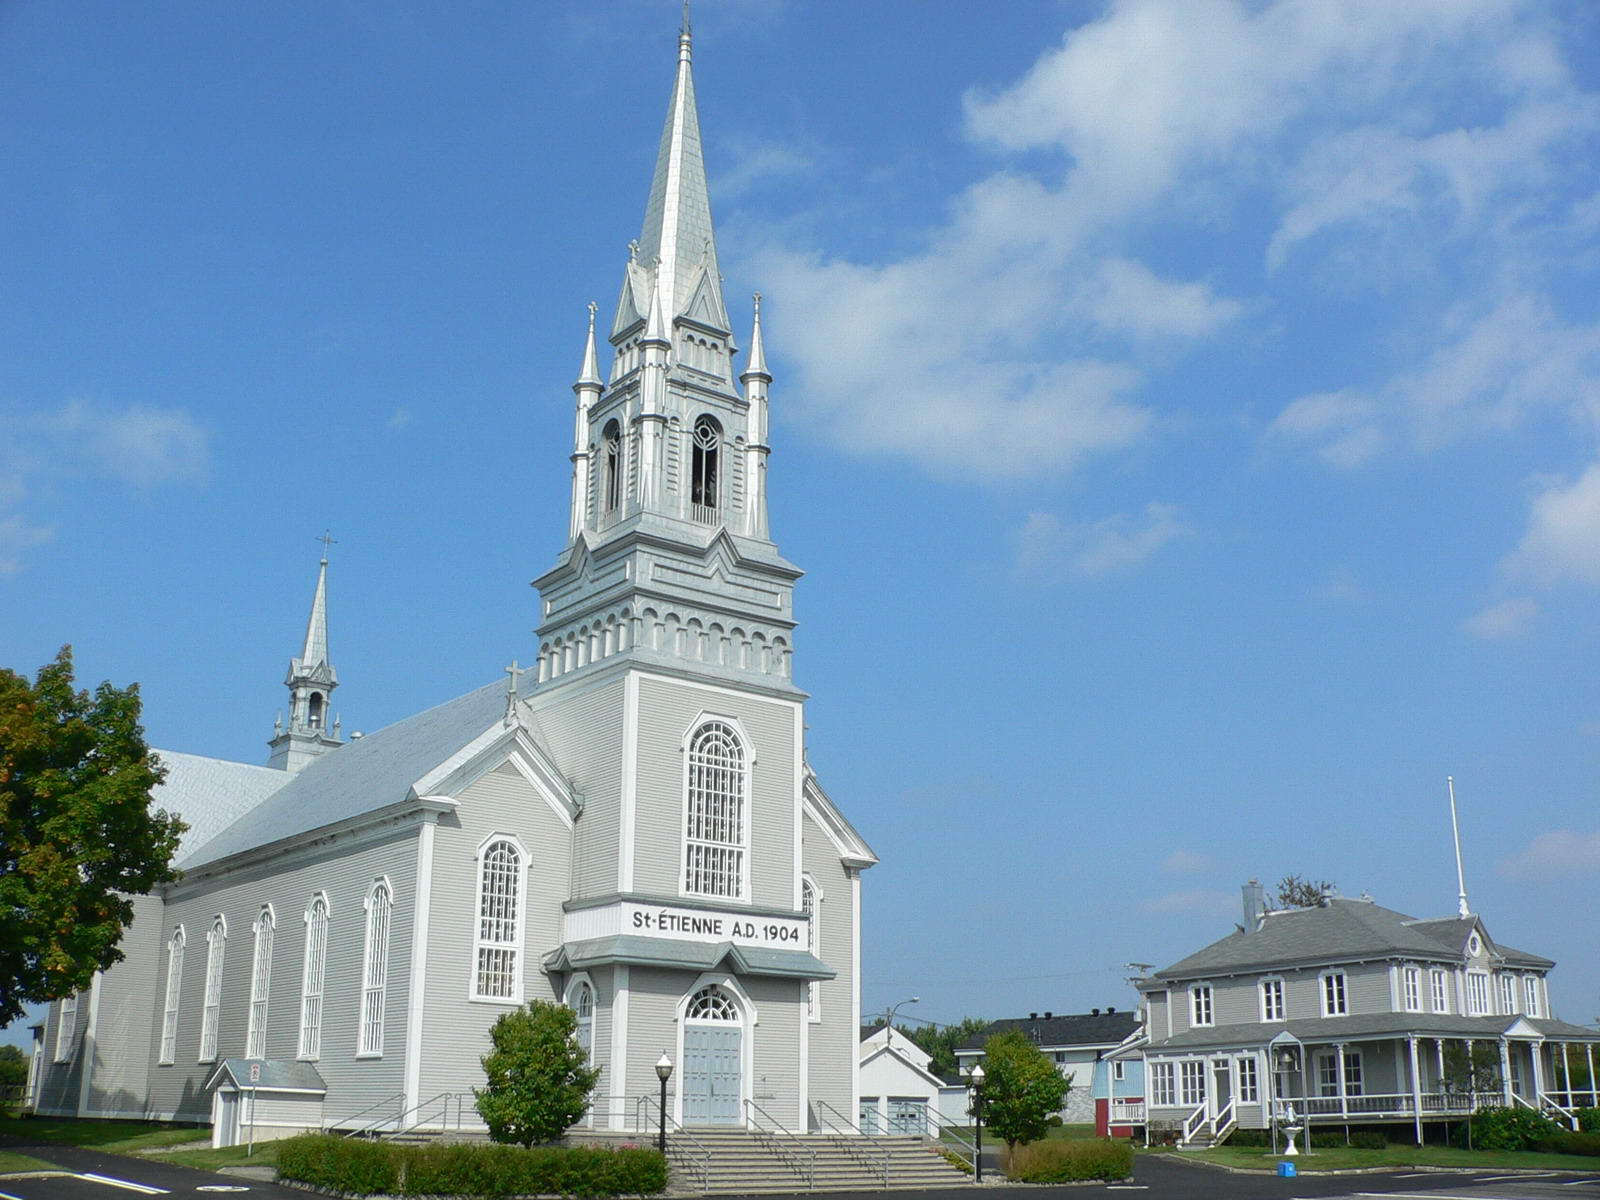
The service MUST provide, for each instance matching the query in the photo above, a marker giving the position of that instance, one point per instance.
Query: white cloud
(1092, 549)
(1188, 862)
(1562, 541)
(1560, 852)
(1504, 620)
(16, 535)
(1342, 587)
(399, 418)
(1198, 900)
(756, 164)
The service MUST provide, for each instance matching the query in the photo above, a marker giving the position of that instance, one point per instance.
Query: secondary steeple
(310, 681)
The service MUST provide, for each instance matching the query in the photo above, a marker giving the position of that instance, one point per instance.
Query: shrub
(1249, 1137)
(1054, 1121)
(537, 1076)
(955, 1160)
(1510, 1129)
(1069, 1162)
(1567, 1142)
(359, 1168)
(1589, 1120)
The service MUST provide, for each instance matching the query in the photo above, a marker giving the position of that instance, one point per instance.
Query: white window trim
(1283, 999)
(1119, 1071)
(1532, 998)
(1439, 989)
(1480, 999)
(314, 1052)
(255, 1039)
(1411, 999)
(747, 745)
(1186, 1074)
(211, 1008)
(1164, 1084)
(814, 944)
(169, 1008)
(519, 947)
(66, 1027)
(1354, 1071)
(381, 990)
(1195, 990)
(1325, 1001)
(1246, 1065)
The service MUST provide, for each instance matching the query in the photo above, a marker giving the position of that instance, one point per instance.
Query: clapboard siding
(776, 1082)
(59, 1082)
(581, 725)
(130, 1000)
(833, 1039)
(653, 999)
(666, 711)
(455, 1029)
(345, 872)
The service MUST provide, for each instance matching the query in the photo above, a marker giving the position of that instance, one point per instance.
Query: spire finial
(685, 36)
(756, 368)
(511, 691)
(589, 376)
(327, 539)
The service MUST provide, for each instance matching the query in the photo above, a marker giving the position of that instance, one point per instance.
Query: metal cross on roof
(327, 539)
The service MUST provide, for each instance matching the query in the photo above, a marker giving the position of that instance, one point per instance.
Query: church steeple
(310, 681)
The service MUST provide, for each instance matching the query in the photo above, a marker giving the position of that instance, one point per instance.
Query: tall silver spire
(311, 728)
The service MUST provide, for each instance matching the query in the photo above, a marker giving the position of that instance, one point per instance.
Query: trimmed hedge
(1069, 1162)
(353, 1167)
(1589, 1120)
(1568, 1142)
(1508, 1129)
(1322, 1139)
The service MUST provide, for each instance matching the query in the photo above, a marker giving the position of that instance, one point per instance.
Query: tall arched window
(715, 827)
(711, 1003)
(169, 1013)
(316, 967)
(611, 465)
(375, 970)
(705, 480)
(255, 1042)
(216, 948)
(808, 905)
(583, 1006)
(499, 935)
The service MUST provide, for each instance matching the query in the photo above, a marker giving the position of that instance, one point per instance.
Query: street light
(892, 1007)
(663, 1073)
(977, 1117)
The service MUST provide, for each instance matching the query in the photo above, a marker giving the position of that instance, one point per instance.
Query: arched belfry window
(611, 492)
(498, 975)
(314, 713)
(714, 843)
(711, 1003)
(706, 478)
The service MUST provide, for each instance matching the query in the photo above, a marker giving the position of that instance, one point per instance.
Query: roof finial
(685, 35)
(511, 691)
(756, 366)
(589, 374)
(327, 539)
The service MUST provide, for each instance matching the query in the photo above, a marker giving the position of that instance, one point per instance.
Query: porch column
(1344, 1100)
(1594, 1084)
(1537, 1049)
(1505, 1070)
(1416, 1084)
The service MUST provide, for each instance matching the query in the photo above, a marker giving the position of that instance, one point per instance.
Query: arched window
(808, 905)
(255, 1042)
(583, 1006)
(612, 466)
(711, 1003)
(705, 480)
(499, 935)
(316, 968)
(375, 972)
(216, 948)
(314, 711)
(169, 1013)
(715, 828)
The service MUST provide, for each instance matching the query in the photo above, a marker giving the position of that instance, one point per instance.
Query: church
(630, 827)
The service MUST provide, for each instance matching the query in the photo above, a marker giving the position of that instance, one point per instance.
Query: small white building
(900, 1093)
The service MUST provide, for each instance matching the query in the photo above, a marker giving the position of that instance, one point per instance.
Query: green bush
(1069, 1162)
(955, 1159)
(1509, 1129)
(361, 1168)
(1589, 1120)
(1249, 1138)
(1567, 1142)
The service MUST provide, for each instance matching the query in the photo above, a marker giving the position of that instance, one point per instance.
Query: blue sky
(1186, 413)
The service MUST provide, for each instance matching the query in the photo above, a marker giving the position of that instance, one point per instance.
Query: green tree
(538, 1076)
(941, 1041)
(1296, 891)
(77, 834)
(1022, 1089)
(1468, 1073)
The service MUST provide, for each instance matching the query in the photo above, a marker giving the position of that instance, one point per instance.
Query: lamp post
(663, 1073)
(892, 1007)
(977, 1117)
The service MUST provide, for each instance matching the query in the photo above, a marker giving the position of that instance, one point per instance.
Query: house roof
(1323, 1030)
(1064, 1029)
(272, 1075)
(1338, 931)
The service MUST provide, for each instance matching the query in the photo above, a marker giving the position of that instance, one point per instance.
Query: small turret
(310, 681)
(755, 378)
(589, 387)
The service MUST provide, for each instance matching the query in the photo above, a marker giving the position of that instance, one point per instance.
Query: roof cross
(327, 539)
(511, 691)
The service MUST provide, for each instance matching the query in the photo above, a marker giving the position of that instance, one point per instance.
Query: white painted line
(1127, 1187)
(1581, 1182)
(9, 1196)
(1414, 1175)
(126, 1185)
(1518, 1175)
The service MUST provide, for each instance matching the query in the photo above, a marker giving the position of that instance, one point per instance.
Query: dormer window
(1531, 991)
(706, 479)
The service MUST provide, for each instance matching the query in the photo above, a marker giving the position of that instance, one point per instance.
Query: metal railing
(860, 1147)
(785, 1144)
(445, 1101)
(698, 1155)
(398, 1099)
(946, 1130)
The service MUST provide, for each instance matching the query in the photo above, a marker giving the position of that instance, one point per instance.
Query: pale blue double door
(713, 1074)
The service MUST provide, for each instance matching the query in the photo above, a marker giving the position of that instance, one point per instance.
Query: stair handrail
(798, 1155)
(701, 1155)
(953, 1129)
(400, 1096)
(1224, 1122)
(1567, 1115)
(444, 1113)
(1193, 1123)
(859, 1146)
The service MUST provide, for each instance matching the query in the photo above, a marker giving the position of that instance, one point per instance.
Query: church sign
(687, 924)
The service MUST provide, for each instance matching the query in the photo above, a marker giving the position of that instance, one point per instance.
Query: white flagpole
(1455, 831)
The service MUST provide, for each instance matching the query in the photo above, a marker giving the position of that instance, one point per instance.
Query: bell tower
(312, 728)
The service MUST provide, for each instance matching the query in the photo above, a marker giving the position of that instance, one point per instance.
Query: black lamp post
(663, 1073)
(977, 1117)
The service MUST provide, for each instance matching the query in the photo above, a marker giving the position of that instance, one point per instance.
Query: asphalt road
(95, 1175)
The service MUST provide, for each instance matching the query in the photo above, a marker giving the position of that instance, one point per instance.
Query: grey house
(631, 826)
(1345, 1011)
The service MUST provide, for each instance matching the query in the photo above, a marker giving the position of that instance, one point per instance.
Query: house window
(499, 951)
(316, 968)
(1272, 1000)
(1162, 1091)
(66, 1027)
(1328, 1073)
(583, 1007)
(1249, 1081)
(611, 486)
(1200, 1004)
(1193, 1078)
(711, 1003)
(1119, 1071)
(216, 948)
(1411, 988)
(169, 1012)
(1530, 987)
(375, 968)
(705, 479)
(255, 1042)
(714, 845)
(1508, 994)
(808, 904)
(1478, 993)
(1334, 1003)
(1440, 986)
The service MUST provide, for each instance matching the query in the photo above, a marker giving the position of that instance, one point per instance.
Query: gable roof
(1339, 931)
(1067, 1029)
(210, 794)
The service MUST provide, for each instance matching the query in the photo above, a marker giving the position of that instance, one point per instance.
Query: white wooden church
(631, 826)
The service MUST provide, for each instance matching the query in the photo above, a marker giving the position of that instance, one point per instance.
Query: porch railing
(1193, 1124)
(1224, 1123)
(1388, 1104)
(1127, 1112)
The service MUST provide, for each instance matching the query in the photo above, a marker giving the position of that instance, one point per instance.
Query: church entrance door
(713, 1060)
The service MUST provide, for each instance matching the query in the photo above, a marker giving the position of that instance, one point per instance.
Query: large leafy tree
(77, 834)
(941, 1041)
(1022, 1089)
(538, 1077)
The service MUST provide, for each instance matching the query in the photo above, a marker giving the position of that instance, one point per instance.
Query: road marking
(1414, 1175)
(1518, 1175)
(1127, 1187)
(124, 1184)
(9, 1196)
(222, 1187)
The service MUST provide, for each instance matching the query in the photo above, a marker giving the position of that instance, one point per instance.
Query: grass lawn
(1260, 1158)
(118, 1137)
(11, 1161)
(266, 1155)
(1056, 1133)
